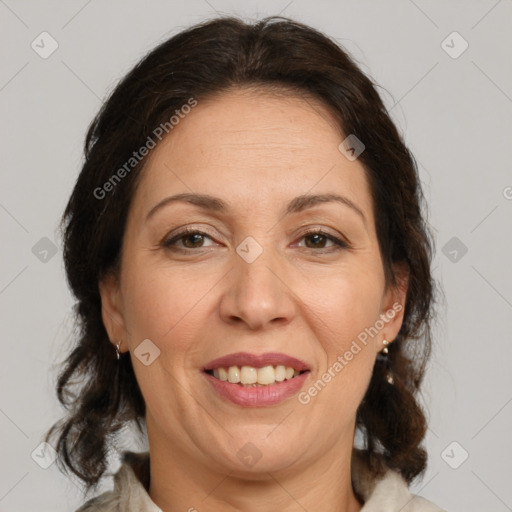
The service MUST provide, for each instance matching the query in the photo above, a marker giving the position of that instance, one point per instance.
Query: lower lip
(259, 396)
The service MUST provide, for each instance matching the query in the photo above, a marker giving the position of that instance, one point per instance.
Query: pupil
(316, 240)
(194, 240)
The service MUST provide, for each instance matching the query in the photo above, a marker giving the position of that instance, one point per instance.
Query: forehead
(254, 148)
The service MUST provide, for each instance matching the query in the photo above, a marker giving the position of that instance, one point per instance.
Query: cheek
(164, 304)
(342, 305)
(169, 309)
(340, 312)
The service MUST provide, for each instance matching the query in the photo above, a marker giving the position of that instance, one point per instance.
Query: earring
(117, 349)
(385, 351)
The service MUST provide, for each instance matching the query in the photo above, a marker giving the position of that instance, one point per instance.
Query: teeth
(233, 374)
(220, 373)
(250, 376)
(280, 373)
(266, 375)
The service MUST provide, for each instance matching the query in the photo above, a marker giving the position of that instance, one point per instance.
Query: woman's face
(281, 257)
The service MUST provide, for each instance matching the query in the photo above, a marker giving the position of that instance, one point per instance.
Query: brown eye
(321, 240)
(316, 241)
(193, 240)
(188, 240)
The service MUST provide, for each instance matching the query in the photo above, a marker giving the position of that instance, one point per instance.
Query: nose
(257, 295)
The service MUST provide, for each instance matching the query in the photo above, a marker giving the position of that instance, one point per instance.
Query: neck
(181, 482)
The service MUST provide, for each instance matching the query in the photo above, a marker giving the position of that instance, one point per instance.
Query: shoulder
(392, 493)
(106, 502)
(129, 491)
(386, 493)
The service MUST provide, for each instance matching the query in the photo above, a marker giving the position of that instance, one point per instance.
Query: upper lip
(256, 361)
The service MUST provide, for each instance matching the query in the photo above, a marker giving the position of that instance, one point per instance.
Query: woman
(252, 270)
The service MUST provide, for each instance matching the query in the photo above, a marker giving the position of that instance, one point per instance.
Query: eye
(320, 240)
(188, 239)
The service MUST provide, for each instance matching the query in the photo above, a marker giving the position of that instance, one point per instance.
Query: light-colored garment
(131, 483)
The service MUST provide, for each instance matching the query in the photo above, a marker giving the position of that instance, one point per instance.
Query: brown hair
(209, 58)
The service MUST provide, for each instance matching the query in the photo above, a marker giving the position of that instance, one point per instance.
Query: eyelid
(339, 241)
(175, 235)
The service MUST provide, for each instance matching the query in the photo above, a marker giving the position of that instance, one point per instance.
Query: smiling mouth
(249, 376)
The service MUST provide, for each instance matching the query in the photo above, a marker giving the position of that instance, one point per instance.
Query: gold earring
(117, 348)
(385, 351)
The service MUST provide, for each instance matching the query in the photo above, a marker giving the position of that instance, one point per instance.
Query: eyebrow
(296, 205)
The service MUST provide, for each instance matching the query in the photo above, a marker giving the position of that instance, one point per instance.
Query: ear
(393, 304)
(112, 310)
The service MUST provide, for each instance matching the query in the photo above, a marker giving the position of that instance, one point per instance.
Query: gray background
(455, 114)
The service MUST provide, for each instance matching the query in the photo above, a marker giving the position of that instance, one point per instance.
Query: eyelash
(168, 243)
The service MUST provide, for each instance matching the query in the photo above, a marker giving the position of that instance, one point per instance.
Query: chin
(251, 453)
